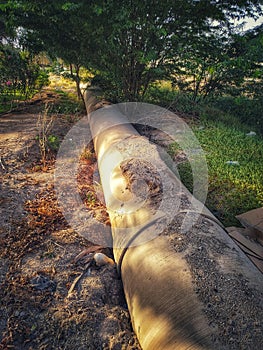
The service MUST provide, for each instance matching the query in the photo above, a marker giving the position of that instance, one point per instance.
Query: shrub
(172, 99)
(20, 77)
(247, 111)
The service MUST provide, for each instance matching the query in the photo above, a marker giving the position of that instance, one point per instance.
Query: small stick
(2, 164)
(77, 279)
(88, 250)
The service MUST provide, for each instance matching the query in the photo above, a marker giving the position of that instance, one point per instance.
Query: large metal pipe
(191, 289)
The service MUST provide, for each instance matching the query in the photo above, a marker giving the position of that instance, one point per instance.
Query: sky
(250, 22)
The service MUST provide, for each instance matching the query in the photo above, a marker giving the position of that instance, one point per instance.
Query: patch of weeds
(9, 102)
(162, 94)
(246, 110)
(67, 107)
(90, 198)
(87, 154)
(213, 114)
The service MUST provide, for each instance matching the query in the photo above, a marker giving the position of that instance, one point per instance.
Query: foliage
(37, 34)
(169, 97)
(221, 63)
(254, 83)
(66, 101)
(203, 66)
(66, 105)
(246, 110)
(53, 142)
(130, 44)
(160, 93)
(20, 76)
(230, 110)
(41, 80)
(144, 42)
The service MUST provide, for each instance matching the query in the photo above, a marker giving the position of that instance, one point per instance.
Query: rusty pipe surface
(185, 289)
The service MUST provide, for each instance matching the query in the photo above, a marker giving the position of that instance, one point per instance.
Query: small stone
(102, 259)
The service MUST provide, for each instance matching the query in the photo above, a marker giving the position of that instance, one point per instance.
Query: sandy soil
(54, 297)
(50, 297)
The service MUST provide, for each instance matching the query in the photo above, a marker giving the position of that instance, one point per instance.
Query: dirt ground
(54, 296)
(50, 296)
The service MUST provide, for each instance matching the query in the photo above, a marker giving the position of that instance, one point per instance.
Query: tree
(19, 73)
(53, 27)
(248, 48)
(213, 66)
(140, 42)
(130, 43)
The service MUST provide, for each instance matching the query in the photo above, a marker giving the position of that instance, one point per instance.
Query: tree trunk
(76, 78)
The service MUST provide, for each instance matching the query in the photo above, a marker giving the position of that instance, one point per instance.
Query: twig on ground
(2, 165)
(92, 249)
(77, 279)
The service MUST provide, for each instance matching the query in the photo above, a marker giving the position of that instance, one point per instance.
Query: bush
(111, 91)
(230, 110)
(161, 96)
(172, 99)
(247, 111)
(42, 80)
(19, 75)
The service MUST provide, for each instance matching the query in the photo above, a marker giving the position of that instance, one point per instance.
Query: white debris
(232, 162)
(251, 133)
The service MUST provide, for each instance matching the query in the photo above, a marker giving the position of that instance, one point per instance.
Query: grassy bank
(235, 169)
(234, 159)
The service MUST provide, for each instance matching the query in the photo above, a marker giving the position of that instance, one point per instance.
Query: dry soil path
(37, 266)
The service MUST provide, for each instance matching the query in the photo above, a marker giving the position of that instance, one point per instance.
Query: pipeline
(185, 289)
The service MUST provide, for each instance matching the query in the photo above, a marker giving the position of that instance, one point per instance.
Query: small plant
(87, 154)
(90, 198)
(53, 142)
(44, 124)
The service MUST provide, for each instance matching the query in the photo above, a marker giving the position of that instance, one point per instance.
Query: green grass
(67, 104)
(246, 110)
(233, 189)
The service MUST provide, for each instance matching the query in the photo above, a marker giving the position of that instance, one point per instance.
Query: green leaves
(97, 9)
(132, 43)
(69, 6)
(20, 77)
